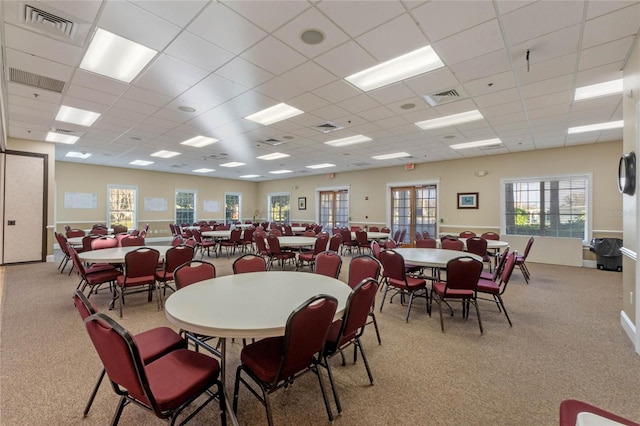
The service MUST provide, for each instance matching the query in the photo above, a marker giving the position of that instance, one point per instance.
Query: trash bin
(608, 253)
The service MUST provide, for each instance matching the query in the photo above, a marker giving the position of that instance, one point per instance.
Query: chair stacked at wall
(152, 344)
(277, 253)
(308, 257)
(249, 263)
(348, 330)
(166, 386)
(395, 277)
(139, 273)
(234, 241)
(328, 263)
(496, 289)
(276, 362)
(463, 274)
(478, 246)
(174, 257)
(93, 276)
(361, 268)
(521, 259)
(347, 242)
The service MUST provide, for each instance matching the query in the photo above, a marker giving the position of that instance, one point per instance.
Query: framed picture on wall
(467, 200)
(302, 203)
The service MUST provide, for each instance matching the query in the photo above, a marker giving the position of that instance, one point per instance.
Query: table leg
(231, 416)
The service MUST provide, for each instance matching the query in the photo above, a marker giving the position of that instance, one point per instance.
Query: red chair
(71, 233)
(497, 289)
(64, 247)
(93, 276)
(452, 244)
(173, 258)
(375, 249)
(426, 243)
(570, 409)
(276, 362)
(386, 230)
(467, 234)
(103, 242)
(392, 242)
(140, 271)
(361, 268)
(202, 244)
(132, 241)
(493, 276)
(463, 274)
(395, 277)
(478, 246)
(328, 263)
(348, 330)
(491, 236)
(165, 386)
(520, 260)
(309, 257)
(247, 240)
(335, 242)
(234, 241)
(363, 241)
(152, 344)
(276, 252)
(347, 242)
(249, 263)
(374, 229)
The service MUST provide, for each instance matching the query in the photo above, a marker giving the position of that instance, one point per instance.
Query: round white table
(115, 254)
(226, 234)
(373, 235)
(491, 244)
(431, 258)
(289, 241)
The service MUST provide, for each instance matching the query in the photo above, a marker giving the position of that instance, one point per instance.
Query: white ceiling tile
(619, 24)
(196, 51)
(269, 15)
(147, 96)
(548, 69)
(429, 17)
(474, 42)
(432, 82)
(281, 89)
(135, 106)
(564, 97)
(337, 91)
(391, 94)
(308, 102)
(357, 17)
(84, 104)
(547, 86)
(41, 46)
(87, 94)
(482, 66)
(345, 60)
(244, 73)
(603, 54)
(608, 72)
(598, 8)
(401, 35)
(548, 46)
(174, 69)
(491, 84)
(309, 75)
(179, 13)
(40, 66)
(503, 96)
(34, 103)
(98, 82)
(274, 56)
(159, 84)
(358, 103)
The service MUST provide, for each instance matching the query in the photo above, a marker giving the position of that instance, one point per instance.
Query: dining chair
(202, 244)
(103, 242)
(463, 274)
(502, 259)
(496, 288)
(249, 263)
(308, 257)
(491, 236)
(246, 243)
(72, 233)
(120, 229)
(451, 244)
(234, 241)
(375, 249)
(164, 387)
(478, 246)
(64, 247)
(335, 242)
(132, 241)
(385, 229)
(277, 253)
(394, 277)
(276, 362)
(173, 258)
(392, 242)
(93, 276)
(347, 242)
(347, 330)
(426, 243)
(139, 272)
(418, 237)
(467, 234)
(328, 263)
(152, 344)
(521, 259)
(374, 229)
(573, 410)
(360, 268)
(363, 241)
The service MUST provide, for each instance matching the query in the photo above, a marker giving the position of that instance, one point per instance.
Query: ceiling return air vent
(328, 127)
(35, 80)
(443, 97)
(48, 21)
(272, 142)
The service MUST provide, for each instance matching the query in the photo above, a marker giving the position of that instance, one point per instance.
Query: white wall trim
(628, 328)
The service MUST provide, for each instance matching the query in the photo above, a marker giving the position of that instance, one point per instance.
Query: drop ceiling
(229, 59)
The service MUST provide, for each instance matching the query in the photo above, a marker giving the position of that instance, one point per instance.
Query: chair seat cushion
(412, 283)
(177, 375)
(307, 256)
(132, 282)
(164, 277)
(99, 267)
(488, 286)
(486, 276)
(156, 342)
(264, 357)
(103, 276)
(440, 286)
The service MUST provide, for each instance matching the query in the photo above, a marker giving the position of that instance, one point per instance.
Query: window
(279, 207)
(122, 206)
(185, 206)
(334, 208)
(232, 207)
(552, 207)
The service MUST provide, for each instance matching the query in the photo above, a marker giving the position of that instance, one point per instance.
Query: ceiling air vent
(48, 21)
(35, 80)
(361, 164)
(328, 127)
(442, 97)
(273, 142)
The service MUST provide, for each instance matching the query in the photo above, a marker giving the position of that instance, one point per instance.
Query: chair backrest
(356, 311)
(141, 262)
(362, 267)
(74, 233)
(73, 254)
(309, 233)
(502, 261)
(467, 234)
(463, 273)
(274, 244)
(132, 241)
(400, 239)
(191, 242)
(249, 263)
(193, 272)
(120, 237)
(374, 229)
(346, 235)
(177, 256)
(527, 248)
(287, 230)
(361, 237)
(276, 232)
(261, 245)
(491, 236)
(426, 243)
(385, 229)
(103, 243)
(236, 235)
(425, 235)
(177, 240)
(390, 244)
(99, 231)
(508, 268)
(419, 237)
(62, 242)
(392, 265)
(375, 249)
(396, 236)
(335, 242)
(119, 229)
(247, 236)
(305, 334)
(328, 263)
(451, 244)
(477, 245)
(320, 245)
(83, 305)
(196, 235)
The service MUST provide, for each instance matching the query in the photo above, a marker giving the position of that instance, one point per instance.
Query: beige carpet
(566, 342)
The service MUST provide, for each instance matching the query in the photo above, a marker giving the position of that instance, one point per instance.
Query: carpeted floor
(566, 342)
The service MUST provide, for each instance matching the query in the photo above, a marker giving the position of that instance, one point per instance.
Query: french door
(414, 209)
(334, 209)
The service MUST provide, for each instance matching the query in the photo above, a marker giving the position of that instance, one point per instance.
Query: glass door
(334, 209)
(414, 209)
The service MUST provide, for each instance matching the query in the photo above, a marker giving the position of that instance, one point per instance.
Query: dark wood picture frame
(302, 203)
(468, 200)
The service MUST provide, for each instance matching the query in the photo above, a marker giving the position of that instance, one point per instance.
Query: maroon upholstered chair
(491, 236)
(328, 263)
(71, 233)
(64, 247)
(103, 242)
(309, 257)
(571, 408)
(93, 276)
(246, 243)
(140, 271)
(173, 258)
(361, 268)
(166, 386)
(275, 362)
(193, 272)
(363, 241)
(234, 241)
(520, 260)
(132, 241)
(202, 244)
(335, 242)
(392, 242)
(249, 263)
(347, 242)
(395, 277)
(348, 330)
(426, 243)
(467, 234)
(277, 253)
(385, 229)
(375, 249)
(497, 288)
(374, 229)
(152, 344)
(478, 246)
(452, 244)
(493, 276)
(463, 274)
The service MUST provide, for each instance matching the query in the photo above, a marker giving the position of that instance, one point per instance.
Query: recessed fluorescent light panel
(116, 57)
(82, 155)
(409, 65)
(348, 141)
(280, 172)
(204, 170)
(476, 144)
(76, 116)
(141, 163)
(232, 164)
(58, 137)
(273, 156)
(165, 154)
(596, 127)
(450, 120)
(274, 114)
(597, 90)
(199, 141)
(321, 166)
(391, 156)
(249, 176)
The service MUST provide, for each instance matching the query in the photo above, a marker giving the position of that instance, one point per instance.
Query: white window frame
(277, 194)
(236, 194)
(135, 202)
(195, 204)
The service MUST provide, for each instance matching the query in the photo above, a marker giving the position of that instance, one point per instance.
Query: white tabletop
(289, 241)
(373, 235)
(491, 244)
(298, 228)
(115, 254)
(243, 225)
(432, 258)
(217, 234)
(255, 304)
